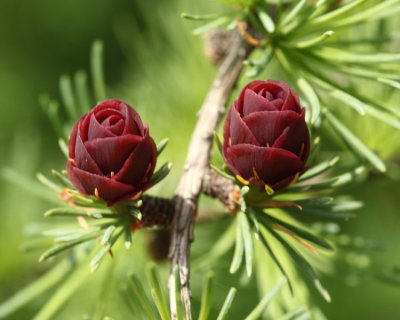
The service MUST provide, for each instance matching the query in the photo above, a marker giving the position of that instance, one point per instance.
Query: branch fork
(196, 169)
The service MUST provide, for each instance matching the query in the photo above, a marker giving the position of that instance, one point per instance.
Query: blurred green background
(156, 65)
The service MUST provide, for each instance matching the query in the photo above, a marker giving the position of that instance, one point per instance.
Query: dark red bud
(111, 153)
(266, 139)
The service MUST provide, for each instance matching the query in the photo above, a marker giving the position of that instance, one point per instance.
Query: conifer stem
(160, 211)
(196, 167)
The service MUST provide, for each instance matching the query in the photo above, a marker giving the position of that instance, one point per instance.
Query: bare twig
(223, 189)
(196, 167)
(160, 212)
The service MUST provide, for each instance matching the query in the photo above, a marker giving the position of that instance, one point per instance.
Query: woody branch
(197, 165)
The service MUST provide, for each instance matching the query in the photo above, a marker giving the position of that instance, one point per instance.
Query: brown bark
(156, 212)
(160, 212)
(197, 166)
